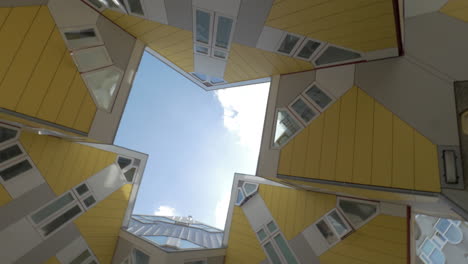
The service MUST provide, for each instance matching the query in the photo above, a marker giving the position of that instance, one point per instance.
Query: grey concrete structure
(179, 13)
(303, 251)
(251, 18)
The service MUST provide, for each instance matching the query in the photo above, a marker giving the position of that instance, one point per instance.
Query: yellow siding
(52, 260)
(243, 244)
(100, 225)
(4, 196)
(382, 240)
(457, 9)
(37, 75)
(363, 25)
(294, 209)
(362, 143)
(62, 163)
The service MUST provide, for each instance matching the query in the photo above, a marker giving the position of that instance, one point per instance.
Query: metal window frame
(215, 32)
(356, 227)
(72, 47)
(309, 104)
(296, 46)
(327, 45)
(271, 238)
(308, 99)
(194, 22)
(313, 55)
(272, 144)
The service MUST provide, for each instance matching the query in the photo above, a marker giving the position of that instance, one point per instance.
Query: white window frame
(128, 167)
(13, 160)
(143, 7)
(17, 160)
(272, 145)
(215, 32)
(202, 45)
(86, 195)
(120, 10)
(15, 138)
(70, 46)
(270, 237)
(90, 258)
(245, 192)
(212, 54)
(319, 108)
(356, 227)
(237, 194)
(309, 104)
(218, 83)
(339, 62)
(330, 226)
(293, 51)
(102, 48)
(194, 18)
(132, 254)
(313, 55)
(114, 96)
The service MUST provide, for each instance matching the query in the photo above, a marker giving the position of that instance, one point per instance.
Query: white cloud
(244, 112)
(165, 210)
(221, 210)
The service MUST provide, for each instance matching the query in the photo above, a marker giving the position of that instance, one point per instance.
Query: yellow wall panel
(426, 174)
(457, 9)
(382, 240)
(4, 196)
(314, 148)
(284, 166)
(382, 146)
(345, 151)
(330, 142)
(72, 102)
(362, 166)
(243, 244)
(52, 260)
(86, 114)
(300, 150)
(128, 21)
(4, 13)
(403, 155)
(100, 226)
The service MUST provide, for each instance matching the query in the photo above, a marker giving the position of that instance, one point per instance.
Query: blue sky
(196, 141)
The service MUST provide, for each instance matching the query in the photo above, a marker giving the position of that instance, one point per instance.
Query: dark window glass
(80, 34)
(123, 162)
(82, 189)
(326, 232)
(303, 110)
(89, 201)
(96, 3)
(140, 257)
(357, 212)
(223, 32)
(288, 44)
(81, 258)
(6, 134)
(130, 174)
(318, 96)
(61, 220)
(309, 48)
(135, 7)
(272, 253)
(203, 20)
(52, 208)
(9, 153)
(15, 170)
(334, 55)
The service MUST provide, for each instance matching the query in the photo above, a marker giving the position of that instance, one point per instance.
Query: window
(91, 58)
(96, 3)
(114, 4)
(219, 54)
(304, 110)
(160, 240)
(216, 81)
(103, 85)
(9, 153)
(333, 227)
(200, 76)
(250, 188)
(203, 24)
(185, 244)
(130, 174)
(85, 255)
(62, 219)
(82, 37)
(357, 212)
(135, 7)
(202, 50)
(85, 195)
(286, 128)
(333, 55)
(52, 208)
(15, 170)
(123, 162)
(7, 134)
(223, 31)
(128, 167)
(308, 49)
(240, 197)
(288, 43)
(318, 97)
(172, 242)
(140, 257)
(82, 189)
(275, 245)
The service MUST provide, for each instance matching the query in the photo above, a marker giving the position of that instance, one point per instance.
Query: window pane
(123, 162)
(82, 189)
(249, 188)
(202, 50)
(272, 253)
(200, 76)
(240, 196)
(288, 44)
(271, 227)
(284, 248)
(15, 170)
(103, 85)
(309, 48)
(286, 127)
(61, 220)
(135, 7)
(326, 232)
(9, 153)
(318, 96)
(223, 32)
(203, 20)
(129, 174)
(303, 110)
(184, 244)
(261, 234)
(6, 134)
(160, 240)
(337, 223)
(357, 212)
(334, 55)
(215, 80)
(52, 208)
(140, 257)
(89, 201)
(96, 3)
(80, 34)
(82, 257)
(91, 58)
(220, 54)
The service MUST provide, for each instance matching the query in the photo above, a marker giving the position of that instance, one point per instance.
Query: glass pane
(288, 44)
(261, 234)
(442, 225)
(334, 54)
(96, 3)
(309, 48)
(52, 208)
(91, 58)
(326, 232)
(129, 174)
(103, 85)
(9, 153)
(140, 257)
(82, 257)
(113, 4)
(240, 196)
(250, 188)
(6, 134)
(15, 170)
(135, 7)
(303, 110)
(200, 76)
(82, 189)
(272, 253)
(271, 227)
(357, 212)
(220, 54)
(337, 223)
(284, 248)
(80, 34)
(215, 80)
(159, 218)
(318, 96)
(202, 50)
(61, 220)
(286, 127)
(123, 162)
(89, 201)
(437, 257)
(223, 32)
(203, 20)
(160, 240)
(184, 244)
